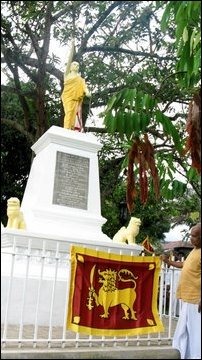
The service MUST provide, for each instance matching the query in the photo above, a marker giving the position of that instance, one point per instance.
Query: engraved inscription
(71, 181)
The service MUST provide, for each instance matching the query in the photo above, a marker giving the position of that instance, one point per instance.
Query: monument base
(66, 223)
(62, 196)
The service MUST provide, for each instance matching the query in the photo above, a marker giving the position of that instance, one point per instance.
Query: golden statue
(72, 97)
(15, 216)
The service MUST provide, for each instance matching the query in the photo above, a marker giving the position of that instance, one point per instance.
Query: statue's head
(74, 66)
(135, 220)
(13, 206)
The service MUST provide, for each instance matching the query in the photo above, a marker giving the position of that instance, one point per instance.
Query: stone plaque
(71, 181)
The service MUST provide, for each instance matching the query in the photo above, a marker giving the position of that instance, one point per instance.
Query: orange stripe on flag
(113, 295)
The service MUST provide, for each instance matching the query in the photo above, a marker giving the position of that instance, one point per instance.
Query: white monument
(62, 196)
(61, 207)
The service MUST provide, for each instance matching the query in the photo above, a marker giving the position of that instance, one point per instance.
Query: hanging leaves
(193, 128)
(187, 19)
(142, 154)
(130, 191)
(129, 112)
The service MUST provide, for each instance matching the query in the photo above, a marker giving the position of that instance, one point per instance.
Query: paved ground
(98, 350)
(119, 353)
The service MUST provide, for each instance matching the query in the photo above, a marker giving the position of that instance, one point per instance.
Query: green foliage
(15, 166)
(169, 130)
(156, 217)
(187, 18)
(123, 113)
(131, 112)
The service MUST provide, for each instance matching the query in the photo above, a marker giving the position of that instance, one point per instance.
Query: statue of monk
(72, 96)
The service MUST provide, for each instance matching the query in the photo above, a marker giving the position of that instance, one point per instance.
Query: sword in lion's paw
(90, 299)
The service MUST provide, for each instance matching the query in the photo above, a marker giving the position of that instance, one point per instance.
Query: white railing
(35, 287)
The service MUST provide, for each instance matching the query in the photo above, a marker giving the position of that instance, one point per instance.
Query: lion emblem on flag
(109, 295)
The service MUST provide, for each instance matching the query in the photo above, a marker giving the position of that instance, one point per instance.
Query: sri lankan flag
(147, 245)
(113, 295)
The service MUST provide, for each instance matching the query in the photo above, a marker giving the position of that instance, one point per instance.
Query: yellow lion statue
(15, 216)
(129, 233)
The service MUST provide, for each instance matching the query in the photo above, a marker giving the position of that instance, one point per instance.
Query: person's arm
(69, 58)
(86, 91)
(67, 71)
(166, 260)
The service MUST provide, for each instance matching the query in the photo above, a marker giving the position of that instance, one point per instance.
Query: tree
(119, 46)
(133, 113)
(103, 33)
(157, 217)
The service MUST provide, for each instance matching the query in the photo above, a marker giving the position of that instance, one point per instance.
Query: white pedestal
(51, 186)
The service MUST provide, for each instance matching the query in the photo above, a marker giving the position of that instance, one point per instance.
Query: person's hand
(88, 93)
(165, 259)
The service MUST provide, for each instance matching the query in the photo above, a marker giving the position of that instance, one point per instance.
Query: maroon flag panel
(113, 295)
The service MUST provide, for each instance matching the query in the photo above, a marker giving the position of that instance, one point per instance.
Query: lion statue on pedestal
(129, 233)
(15, 216)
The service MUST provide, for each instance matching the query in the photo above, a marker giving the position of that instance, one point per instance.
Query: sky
(177, 233)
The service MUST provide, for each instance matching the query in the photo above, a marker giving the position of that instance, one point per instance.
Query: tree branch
(95, 130)
(34, 63)
(97, 24)
(46, 40)
(22, 98)
(18, 127)
(33, 39)
(124, 51)
(5, 88)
